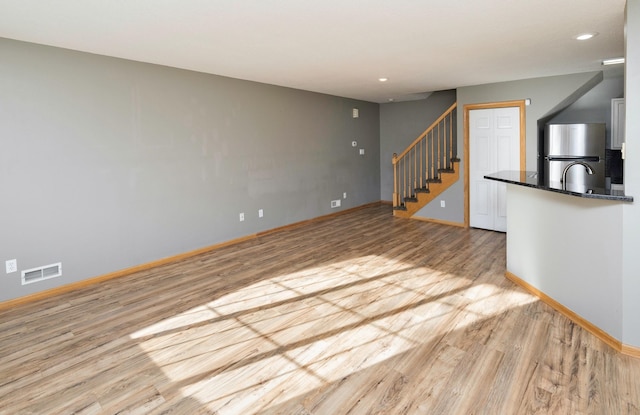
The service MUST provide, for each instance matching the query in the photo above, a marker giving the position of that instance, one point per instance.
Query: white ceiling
(338, 47)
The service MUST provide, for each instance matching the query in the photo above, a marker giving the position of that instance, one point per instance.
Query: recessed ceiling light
(614, 61)
(585, 36)
(383, 79)
(390, 99)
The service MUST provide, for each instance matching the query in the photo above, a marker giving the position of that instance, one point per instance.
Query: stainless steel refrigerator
(566, 144)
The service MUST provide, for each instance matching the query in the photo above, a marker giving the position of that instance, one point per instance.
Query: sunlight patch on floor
(266, 343)
(489, 300)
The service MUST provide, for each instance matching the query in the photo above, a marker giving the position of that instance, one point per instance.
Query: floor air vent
(41, 273)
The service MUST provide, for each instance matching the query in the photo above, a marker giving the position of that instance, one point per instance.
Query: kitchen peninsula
(564, 245)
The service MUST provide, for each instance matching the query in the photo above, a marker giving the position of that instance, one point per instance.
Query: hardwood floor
(360, 313)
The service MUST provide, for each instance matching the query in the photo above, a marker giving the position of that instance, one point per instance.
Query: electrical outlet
(344, 195)
(11, 266)
(242, 217)
(260, 213)
(442, 204)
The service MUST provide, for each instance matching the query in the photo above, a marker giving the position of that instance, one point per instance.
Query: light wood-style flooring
(362, 313)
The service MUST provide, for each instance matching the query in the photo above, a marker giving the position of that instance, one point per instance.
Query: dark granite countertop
(531, 179)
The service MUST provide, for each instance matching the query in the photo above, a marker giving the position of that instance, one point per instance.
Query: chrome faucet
(566, 170)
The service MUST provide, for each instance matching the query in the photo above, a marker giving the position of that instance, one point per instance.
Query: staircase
(427, 167)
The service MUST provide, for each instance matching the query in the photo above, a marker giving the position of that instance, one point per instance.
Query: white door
(494, 145)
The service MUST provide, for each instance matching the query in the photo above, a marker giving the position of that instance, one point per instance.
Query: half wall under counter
(565, 246)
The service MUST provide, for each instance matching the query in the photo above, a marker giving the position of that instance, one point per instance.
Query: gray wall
(545, 94)
(400, 124)
(595, 105)
(107, 163)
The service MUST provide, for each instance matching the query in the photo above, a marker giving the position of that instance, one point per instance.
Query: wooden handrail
(431, 127)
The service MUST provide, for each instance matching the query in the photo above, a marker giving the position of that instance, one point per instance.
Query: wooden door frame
(523, 141)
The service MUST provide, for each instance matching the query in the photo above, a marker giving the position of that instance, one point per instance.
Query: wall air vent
(41, 273)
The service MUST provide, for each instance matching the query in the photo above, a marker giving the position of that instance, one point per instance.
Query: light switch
(11, 266)
(362, 151)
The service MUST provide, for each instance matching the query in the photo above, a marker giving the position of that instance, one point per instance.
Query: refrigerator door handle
(572, 158)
